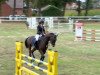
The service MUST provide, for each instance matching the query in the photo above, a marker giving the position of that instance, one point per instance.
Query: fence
(53, 24)
(52, 68)
(92, 35)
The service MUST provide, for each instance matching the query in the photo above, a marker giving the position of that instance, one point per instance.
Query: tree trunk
(14, 8)
(39, 8)
(79, 9)
(87, 5)
(0, 9)
(64, 8)
(27, 8)
(39, 12)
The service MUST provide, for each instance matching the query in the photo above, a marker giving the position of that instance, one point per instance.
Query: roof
(19, 3)
(48, 7)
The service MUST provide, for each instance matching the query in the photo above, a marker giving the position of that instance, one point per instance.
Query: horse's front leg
(42, 56)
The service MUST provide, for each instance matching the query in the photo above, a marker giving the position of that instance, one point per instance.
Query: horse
(41, 45)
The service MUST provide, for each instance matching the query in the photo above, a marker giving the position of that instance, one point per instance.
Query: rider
(40, 30)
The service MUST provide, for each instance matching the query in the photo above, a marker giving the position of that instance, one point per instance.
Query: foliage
(64, 4)
(87, 7)
(40, 3)
(55, 11)
(69, 0)
(58, 3)
(1, 1)
(79, 8)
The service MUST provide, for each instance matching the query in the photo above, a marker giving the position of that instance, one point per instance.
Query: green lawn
(92, 25)
(91, 12)
(75, 58)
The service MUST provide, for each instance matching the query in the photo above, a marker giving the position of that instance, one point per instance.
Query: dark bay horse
(42, 44)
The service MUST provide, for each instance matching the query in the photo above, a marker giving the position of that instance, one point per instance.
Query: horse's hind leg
(30, 51)
(42, 57)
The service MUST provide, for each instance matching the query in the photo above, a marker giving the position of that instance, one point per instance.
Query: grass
(92, 25)
(75, 58)
(91, 12)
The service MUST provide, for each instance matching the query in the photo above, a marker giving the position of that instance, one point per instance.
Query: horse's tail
(26, 45)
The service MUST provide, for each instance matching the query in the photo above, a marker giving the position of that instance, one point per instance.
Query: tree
(61, 4)
(39, 4)
(1, 2)
(14, 8)
(88, 6)
(57, 3)
(55, 11)
(64, 4)
(79, 7)
(27, 6)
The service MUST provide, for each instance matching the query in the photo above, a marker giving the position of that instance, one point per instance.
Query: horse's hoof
(32, 60)
(39, 64)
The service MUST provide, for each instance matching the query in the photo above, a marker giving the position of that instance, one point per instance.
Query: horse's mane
(50, 33)
(45, 36)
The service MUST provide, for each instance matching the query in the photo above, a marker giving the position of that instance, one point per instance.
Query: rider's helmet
(41, 21)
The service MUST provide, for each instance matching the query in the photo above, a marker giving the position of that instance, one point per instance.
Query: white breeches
(37, 36)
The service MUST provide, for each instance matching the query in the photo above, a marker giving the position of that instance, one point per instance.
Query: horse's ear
(56, 34)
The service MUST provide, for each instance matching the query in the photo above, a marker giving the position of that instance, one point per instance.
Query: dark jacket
(40, 30)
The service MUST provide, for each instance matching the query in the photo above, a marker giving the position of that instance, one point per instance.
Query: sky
(82, 0)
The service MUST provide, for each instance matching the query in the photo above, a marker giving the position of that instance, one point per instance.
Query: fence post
(84, 35)
(19, 50)
(93, 35)
(52, 62)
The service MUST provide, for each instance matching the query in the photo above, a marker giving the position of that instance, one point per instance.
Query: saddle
(35, 43)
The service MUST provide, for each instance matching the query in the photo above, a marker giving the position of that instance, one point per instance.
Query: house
(96, 4)
(71, 5)
(51, 10)
(8, 8)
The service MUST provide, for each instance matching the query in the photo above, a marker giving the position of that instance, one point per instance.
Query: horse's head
(53, 39)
